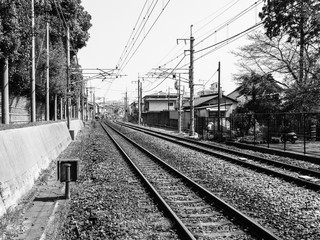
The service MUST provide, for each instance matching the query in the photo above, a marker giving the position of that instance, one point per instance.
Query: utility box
(62, 169)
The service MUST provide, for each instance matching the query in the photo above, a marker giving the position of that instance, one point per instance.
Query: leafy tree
(261, 91)
(280, 58)
(15, 41)
(298, 19)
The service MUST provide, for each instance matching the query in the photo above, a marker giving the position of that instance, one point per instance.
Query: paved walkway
(38, 218)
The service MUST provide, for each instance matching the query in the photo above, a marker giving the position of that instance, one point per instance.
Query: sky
(116, 25)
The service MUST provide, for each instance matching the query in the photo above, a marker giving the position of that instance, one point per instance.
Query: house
(206, 111)
(158, 107)
(160, 101)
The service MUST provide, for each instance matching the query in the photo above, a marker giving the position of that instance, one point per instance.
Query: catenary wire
(147, 32)
(133, 30)
(166, 76)
(139, 31)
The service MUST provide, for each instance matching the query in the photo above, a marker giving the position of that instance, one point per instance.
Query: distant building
(160, 101)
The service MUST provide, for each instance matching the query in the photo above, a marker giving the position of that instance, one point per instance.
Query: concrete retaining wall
(24, 153)
(76, 126)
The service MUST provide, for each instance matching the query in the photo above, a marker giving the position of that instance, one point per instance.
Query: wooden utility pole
(82, 101)
(61, 108)
(87, 106)
(179, 104)
(5, 91)
(191, 82)
(47, 83)
(139, 101)
(33, 70)
(68, 78)
(126, 106)
(55, 114)
(219, 125)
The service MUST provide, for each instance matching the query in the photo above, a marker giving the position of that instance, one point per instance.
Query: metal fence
(272, 130)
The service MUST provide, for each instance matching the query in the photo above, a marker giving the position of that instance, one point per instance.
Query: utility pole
(126, 106)
(139, 102)
(139, 98)
(55, 115)
(94, 103)
(219, 127)
(87, 106)
(47, 84)
(33, 70)
(179, 104)
(5, 91)
(82, 101)
(140, 105)
(191, 84)
(68, 78)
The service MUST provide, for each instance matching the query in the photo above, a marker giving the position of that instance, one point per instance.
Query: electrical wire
(139, 31)
(60, 16)
(227, 23)
(230, 38)
(133, 30)
(166, 76)
(225, 6)
(147, 33)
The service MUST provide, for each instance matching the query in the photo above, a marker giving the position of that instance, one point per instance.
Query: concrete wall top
(76, 126)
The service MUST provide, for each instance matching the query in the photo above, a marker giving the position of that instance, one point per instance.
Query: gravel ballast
(108, 202)
(289, 211)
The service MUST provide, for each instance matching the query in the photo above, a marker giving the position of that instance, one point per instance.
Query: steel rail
(207, 148)
(257, 230)
(183, 230)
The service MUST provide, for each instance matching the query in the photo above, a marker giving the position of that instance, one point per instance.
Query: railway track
(197, 213)
(300, 176)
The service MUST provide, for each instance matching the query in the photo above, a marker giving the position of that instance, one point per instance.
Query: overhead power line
(220, 27)
(147, 32)
(230, 38)
(137, 34)
(230, 21)
(133, 30)
(128, 56)
(172, 71)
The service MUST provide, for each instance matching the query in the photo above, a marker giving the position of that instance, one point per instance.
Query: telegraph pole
(219, 127)
(68, 77)
(179, 104)
(191, 84)
(33, 71)
(140, 105)
(87, 105)
(47, 84)
(126, 106)
(139, 102)
(5, 91)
